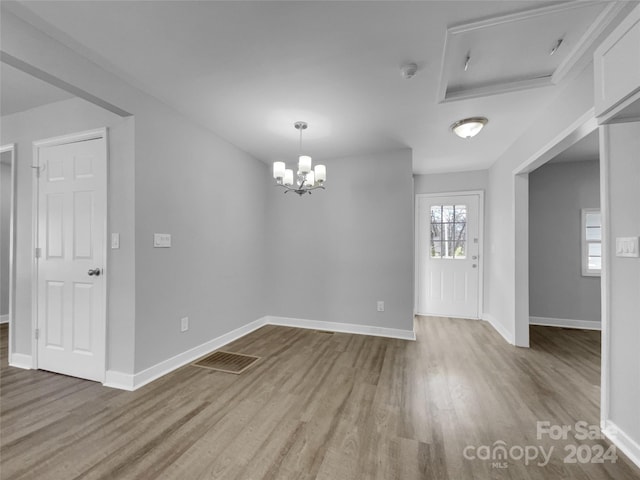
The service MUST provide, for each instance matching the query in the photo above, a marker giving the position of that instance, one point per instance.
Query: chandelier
(306, 178)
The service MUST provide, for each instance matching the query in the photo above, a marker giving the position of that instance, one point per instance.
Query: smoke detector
(408, 70)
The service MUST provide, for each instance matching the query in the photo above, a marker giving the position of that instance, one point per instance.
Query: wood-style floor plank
(318, 406)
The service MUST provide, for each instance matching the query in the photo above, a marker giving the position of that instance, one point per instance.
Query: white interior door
(71, 333)
(448, 253)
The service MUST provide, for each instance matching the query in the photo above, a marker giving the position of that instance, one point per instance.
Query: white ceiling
(20, 91)
(248, 70)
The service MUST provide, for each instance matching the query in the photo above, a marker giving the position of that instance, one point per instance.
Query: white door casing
(448, 246)
(71, 254)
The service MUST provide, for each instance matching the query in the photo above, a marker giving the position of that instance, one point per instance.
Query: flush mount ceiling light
(469, 127)
(307, 179)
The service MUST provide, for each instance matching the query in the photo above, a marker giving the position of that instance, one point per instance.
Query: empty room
(319, 240)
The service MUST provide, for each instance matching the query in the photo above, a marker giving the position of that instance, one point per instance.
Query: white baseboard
(565, 323)
(463, 317)
(4, 318)
(130, 382)
(622, 441)
(160, 369)
(20, 360)
(119, 380)
(498, 327)
(342, 327)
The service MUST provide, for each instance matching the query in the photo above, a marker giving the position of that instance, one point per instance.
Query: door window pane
(593, 233)
(448, 231)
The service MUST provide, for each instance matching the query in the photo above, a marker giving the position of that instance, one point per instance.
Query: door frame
(99, 133)
(575, 132)
(11, 147)
(416, 228)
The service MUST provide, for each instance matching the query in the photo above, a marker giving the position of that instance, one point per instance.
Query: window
(591, 242)
(449, 231)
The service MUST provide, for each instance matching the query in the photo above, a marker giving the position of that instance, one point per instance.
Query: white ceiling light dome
(469, 127)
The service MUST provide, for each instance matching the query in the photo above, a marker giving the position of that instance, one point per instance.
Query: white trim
(575, 58)
(565, 323)
(586, 41)
(497, 89)
(583, 126)
(608, 111)
(72, 138)
(119, 380)
(463, 317)
(342, 327)
(416, 244)
(619, 113)
(130, 382)
(498, 327)
(520, 218)
(515, 17)
(133, 382)
(95, 134)
(622, 440)
(20, 360)
(11, 147)
(605, 277)
(35, 187)
(4, 318)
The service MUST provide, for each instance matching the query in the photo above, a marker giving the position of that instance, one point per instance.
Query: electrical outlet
(184, 324)
(381, 305)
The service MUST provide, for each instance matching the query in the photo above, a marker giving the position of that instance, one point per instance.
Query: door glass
(448, 231)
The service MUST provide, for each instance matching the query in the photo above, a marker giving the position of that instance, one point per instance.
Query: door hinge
(37, 333)
(37, 170)
(38, 252)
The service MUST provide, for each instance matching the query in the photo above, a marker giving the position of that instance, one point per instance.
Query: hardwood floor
(320, 406)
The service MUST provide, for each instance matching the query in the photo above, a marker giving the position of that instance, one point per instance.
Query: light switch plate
(627, 247)
(161, 240)
(115, 240)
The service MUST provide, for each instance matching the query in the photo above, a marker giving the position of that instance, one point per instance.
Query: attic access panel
(512, 52)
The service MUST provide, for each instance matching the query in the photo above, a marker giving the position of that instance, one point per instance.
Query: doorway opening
(565, 238)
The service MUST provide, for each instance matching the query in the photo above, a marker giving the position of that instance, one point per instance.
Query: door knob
(95, 271)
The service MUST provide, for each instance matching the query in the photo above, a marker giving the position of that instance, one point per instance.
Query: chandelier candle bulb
(311, 179)
(278, 169)
(304, 164)
(288, 177)
(321, 173)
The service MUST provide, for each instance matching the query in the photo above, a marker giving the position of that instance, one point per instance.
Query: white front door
(448, 253)
(71, 333)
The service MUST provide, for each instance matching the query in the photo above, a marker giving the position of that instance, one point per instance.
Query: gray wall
(557, 193)
(622, 147)
(62, 118)
(5, 218)
(211, 197)
(451, 182)
(333, 254)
